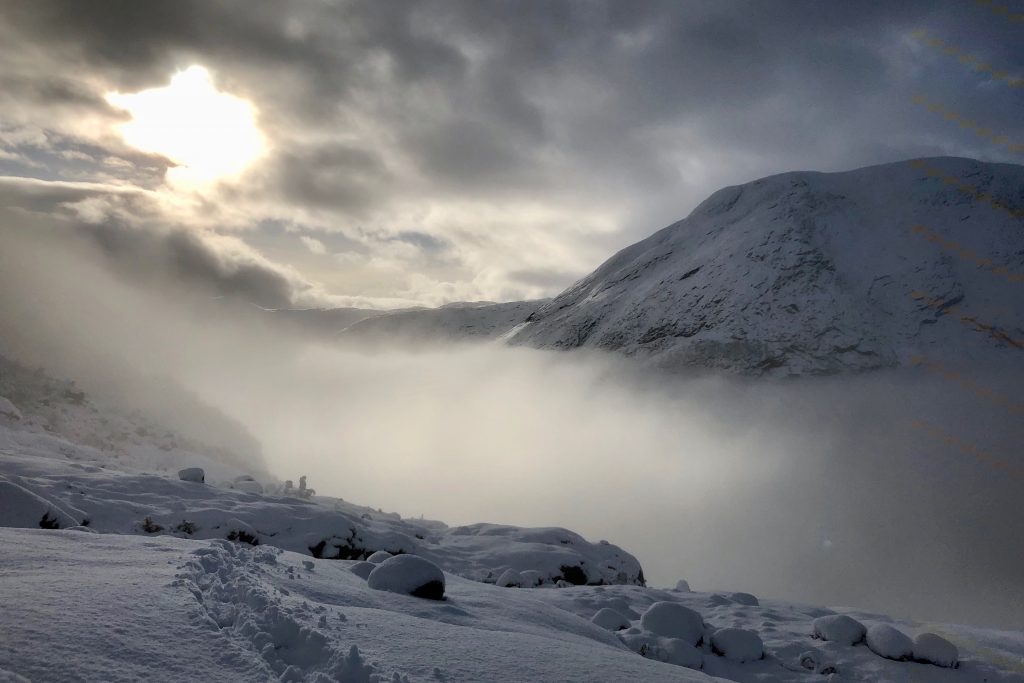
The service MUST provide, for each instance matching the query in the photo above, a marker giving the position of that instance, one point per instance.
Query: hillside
(814, 273)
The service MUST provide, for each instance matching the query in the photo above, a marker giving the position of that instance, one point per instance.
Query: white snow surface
(610, 619)
(9, 410)
(813, 273)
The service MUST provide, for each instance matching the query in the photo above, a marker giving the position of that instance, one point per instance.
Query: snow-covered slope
(115, 569)
(80, 606)
(815, 273)
(447, 324)
(131, 438)
(73, 485)
(408, 327)
(96, 607)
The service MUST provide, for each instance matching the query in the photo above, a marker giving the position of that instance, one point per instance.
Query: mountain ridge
(806, 273)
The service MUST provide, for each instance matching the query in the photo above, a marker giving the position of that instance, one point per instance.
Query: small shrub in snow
(885, 641)
(186, 527)
(150, 527)
(243, 536)
(510, 578)
(193, 474)
(839, 628)
(362, 569)
(737, 645)
(672, 620)
(744, 599)
(683, 586)
(408, 574)
(607, 618)
(379, 556)
(48, 522)
(932, 649)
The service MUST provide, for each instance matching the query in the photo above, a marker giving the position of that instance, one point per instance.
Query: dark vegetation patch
(349, 549)
(573, 574)
(48, 522)
(242, 536)
(186, 527)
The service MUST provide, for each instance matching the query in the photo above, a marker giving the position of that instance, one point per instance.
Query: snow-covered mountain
(455, 322)
(809, 273)
(411, 327)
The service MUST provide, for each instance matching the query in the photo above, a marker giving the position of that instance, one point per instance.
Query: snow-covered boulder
(682, 653)
(530, 578)
(9, 410)
(744, 599)
(410, 575)
(23, 509)
(609, 619)
(509, 578)
(379, 556)
(672, 620)
(933, 649)
(885, 641)
(683, 586)
(362, 569)
(193, 474)
(839, 628)
(737, 644)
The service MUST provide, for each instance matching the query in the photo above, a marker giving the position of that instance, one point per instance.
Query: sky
(389, 154)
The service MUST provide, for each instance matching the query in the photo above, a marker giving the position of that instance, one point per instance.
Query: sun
(209, 134)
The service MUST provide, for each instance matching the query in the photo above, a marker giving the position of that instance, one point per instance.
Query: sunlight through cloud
(209, 134)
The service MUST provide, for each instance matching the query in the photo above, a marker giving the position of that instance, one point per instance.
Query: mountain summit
(815, 273)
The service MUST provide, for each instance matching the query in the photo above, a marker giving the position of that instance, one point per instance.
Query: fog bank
(818, 490)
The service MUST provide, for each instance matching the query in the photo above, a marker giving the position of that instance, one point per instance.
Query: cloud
(425, 117)
(313, 244)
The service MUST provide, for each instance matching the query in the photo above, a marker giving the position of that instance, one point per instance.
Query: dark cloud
(628, 113)
(184, 256)
(185, 259)
(421, 240)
